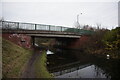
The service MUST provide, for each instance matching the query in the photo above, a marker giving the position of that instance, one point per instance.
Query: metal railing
(7, 25)
(64, 71)
(31, 26)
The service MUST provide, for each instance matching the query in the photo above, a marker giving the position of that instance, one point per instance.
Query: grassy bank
(14, 59)
(40, 67)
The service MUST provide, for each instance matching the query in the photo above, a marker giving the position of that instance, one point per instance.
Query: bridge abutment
(79, 43)
(19, 39)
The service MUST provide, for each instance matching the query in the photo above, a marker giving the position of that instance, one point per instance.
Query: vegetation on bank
(41, 67)
(14, 59)
(104, 42)
(112, 42)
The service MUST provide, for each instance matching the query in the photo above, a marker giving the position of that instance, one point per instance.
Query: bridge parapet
(31, 26)
(37, 28)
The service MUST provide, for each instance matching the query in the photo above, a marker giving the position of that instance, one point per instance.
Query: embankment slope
(14, 58)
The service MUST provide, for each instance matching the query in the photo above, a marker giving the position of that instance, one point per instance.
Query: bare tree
(98, 26)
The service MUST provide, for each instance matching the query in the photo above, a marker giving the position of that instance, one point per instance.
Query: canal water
(74, 64)
(89, 71)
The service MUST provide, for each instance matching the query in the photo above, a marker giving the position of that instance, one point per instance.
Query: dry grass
(14, 58)
(40, 66)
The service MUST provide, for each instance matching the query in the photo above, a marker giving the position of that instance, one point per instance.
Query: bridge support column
(33, 40)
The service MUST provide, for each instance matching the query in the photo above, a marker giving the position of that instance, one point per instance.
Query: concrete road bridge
(60, 33)
(38, 30)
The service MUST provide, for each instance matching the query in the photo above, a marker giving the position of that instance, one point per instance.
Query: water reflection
(88, 72)
(108, 56)
(49, 52)
(87, 65)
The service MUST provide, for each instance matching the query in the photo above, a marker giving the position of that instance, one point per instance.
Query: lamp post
(119, 14)
(78, 24)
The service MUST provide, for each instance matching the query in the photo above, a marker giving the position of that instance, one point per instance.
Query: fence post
(61, 28)
(35, 26)
(49, 27)
(8, 25)
(18, 25)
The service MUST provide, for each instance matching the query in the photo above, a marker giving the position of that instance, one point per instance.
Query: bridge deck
(41, 33)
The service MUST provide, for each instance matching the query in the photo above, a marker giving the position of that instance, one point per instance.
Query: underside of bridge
(61, 38)
(62, 42)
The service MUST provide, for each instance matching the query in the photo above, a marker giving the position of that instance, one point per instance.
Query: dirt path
(29, 71)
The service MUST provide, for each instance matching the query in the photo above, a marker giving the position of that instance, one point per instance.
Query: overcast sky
(62, 13)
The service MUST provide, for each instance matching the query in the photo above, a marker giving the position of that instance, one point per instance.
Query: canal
(75, 64)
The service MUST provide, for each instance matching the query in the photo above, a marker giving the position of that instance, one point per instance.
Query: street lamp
(78, 24)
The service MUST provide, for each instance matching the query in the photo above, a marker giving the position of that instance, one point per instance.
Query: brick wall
(19, 39)
(76, 44)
